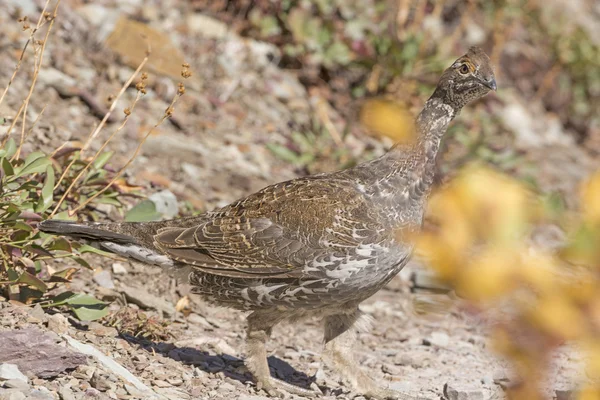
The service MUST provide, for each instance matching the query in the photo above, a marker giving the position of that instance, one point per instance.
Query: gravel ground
(213, 152)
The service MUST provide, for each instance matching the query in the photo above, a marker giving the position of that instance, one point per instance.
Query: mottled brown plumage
(317, 245)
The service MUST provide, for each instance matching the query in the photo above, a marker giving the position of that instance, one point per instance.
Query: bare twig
(166, 115)
(102, 123)
(38, 65)
(80, 174)
(41, 22)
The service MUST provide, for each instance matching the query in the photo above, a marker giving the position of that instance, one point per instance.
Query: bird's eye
(464, 69)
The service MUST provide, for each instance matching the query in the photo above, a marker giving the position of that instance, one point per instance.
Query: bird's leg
(340, 335)
(260, 324)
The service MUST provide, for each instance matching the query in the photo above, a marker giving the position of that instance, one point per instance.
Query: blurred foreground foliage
(539, 295)
(30, 188)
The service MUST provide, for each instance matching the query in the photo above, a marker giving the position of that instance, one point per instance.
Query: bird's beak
(491, 83)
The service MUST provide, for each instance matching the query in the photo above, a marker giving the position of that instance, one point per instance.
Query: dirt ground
(213, 152)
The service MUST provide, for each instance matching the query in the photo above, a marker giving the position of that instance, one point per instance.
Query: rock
(66, 393)
(111, 365)
(12, 394)
(40, 394)
(101, 330)
(565, 395)
(100, 382)
(206, 26)
(165, 203)
(146, 300)
(439, 339)
(104, 279)
(16, 384)
(58, 323)
(247, 397)
(530, 128)
(119, 269)
(36, 314)
(37, 353)
(10, 372)
(55, 78)
(451, 393)
(160, 383)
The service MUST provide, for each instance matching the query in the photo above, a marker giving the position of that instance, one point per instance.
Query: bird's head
(468, 78)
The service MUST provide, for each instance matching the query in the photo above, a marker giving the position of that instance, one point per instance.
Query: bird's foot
(277, 388)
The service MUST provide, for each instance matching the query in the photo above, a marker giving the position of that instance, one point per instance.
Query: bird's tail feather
(128, 239)
(90, 231)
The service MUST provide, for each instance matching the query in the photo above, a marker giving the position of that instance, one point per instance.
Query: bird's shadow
(230, 366)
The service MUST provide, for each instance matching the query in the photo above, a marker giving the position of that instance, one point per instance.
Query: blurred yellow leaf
(590, 198)
(499, 207)
(592, 351)
(536, 271)
(589, 393)
(488, 275)
(444, 259)
(388, 118)
(447, 213)
(558, 316)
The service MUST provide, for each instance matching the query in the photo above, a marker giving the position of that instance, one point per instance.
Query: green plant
(28, 190)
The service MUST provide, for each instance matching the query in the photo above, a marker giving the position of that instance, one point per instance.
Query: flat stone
(146, 300)
(119, 269)
(11, 372)
(451, 393)
(104, 279)
(16, 384)
(565, 395)
(66, 393)
(439, 339)
(12, 394)
(206, 26)
(58, 323)
(36, 352)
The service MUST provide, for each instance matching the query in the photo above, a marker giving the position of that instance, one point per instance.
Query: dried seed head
(181, 89)
(169, 111)
(185, 71)
(47, 16)
(127, 111)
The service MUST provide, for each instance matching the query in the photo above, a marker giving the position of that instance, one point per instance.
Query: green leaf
(7, 167)
(38, 165)
(60, 299)
(143, 211)
(9, 149)
(59, 244)
(283, 152)
(47, 191)
(31, 280)
(103, 159)
(82, 262)
(86, 307)
(108, 200)
(86, 248)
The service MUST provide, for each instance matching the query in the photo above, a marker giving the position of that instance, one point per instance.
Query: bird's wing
(274, 232)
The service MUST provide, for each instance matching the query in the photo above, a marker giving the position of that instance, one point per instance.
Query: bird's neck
(419, 170)
(431, 126)
(406, 172)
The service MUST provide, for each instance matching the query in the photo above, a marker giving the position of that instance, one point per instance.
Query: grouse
(312, 246)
